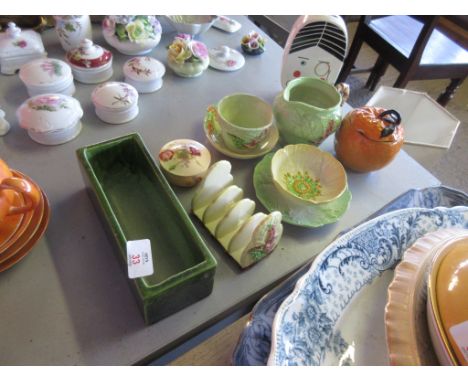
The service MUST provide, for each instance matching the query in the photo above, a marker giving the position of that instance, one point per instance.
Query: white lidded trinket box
(90, 63)
(115, 102)
(51, 119)
(18, 47)
(47, 75)
(144, 74)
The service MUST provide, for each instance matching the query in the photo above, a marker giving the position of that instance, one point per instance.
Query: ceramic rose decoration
(187, 57)
(132, 35)
(253, 43)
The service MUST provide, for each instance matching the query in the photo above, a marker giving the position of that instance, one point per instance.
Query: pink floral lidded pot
(71, 30)
(47, 75)
(132, 35)
(51, 119)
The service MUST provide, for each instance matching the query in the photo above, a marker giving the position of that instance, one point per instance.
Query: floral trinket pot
(90, 63)
(47, 75)
(132, 35)
(144, 73)
(19, 47)
(115, 102)
(187, 57)
(51, 119)
(184, 162)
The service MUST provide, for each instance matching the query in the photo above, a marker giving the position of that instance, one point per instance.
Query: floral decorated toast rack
(230, 218)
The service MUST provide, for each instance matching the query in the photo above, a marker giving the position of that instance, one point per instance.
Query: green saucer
(315, 215)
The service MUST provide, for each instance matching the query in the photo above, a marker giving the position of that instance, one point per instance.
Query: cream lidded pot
(90, 63)
(144, 73)
(115, 102)
(47, 75)
(51, 119)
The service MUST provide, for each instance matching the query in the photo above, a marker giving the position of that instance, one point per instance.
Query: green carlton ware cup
(308, 110)
(242, 121)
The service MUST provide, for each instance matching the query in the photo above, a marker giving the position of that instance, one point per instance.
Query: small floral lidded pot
(71, 30)
(184, 162)
(132, 35)
(47, 75)
(115, 102)
(187, 57)
(51, 119)
(144, 73)
(253, 43)
(90, 63)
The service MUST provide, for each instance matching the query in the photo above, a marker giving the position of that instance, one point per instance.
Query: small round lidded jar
(144, 73)
(47, 75)
(115, 102)
(184, 162)
(51, 119)
(90, 63)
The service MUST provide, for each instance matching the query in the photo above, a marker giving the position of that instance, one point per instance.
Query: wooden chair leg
(402, 80)
(351, 58)
(449, 92)
(379, 70)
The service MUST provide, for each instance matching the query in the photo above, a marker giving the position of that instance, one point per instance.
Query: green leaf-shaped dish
(310, 215)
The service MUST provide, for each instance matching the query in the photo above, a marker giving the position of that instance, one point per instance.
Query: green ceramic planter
(136, 203)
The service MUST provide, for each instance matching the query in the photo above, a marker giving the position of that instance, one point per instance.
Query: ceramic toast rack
(230, 218)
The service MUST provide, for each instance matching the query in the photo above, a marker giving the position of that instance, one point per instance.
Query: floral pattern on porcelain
(20, 43)
(127, 97)
(181, 156)
(247, 144)
(136, 66)
(304, 323)
(302, 185)
(52, 68)
(71, 30)
(268, 235)
(51, 103)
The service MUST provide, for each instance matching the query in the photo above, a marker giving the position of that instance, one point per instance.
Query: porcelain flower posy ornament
(187, 57)
(253, 43)
(132, 35)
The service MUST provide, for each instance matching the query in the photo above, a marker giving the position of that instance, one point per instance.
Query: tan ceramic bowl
(447, 303)
(307, 175)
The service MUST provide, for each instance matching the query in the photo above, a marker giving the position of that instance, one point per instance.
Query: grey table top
(68, 301)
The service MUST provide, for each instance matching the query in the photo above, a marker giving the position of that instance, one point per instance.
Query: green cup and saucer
(309, 215)
(230, 138)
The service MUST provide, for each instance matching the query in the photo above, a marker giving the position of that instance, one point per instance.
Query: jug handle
(344, 90)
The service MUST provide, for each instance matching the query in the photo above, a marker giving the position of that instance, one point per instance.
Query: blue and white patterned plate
(304, 327)
(253, 347)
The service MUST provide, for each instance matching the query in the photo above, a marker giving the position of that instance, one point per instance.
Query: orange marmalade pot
(368, 138)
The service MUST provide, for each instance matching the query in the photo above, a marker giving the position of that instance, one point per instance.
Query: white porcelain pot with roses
(132, 35)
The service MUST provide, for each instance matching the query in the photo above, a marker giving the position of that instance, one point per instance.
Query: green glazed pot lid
(314, 215)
